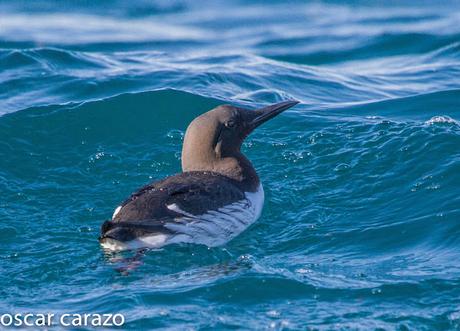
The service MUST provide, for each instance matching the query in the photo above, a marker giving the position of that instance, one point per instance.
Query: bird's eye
(230, 124)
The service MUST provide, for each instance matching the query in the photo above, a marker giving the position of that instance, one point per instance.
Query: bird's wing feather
(185, 194)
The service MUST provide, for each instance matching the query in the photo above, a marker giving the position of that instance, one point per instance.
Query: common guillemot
(215, 198)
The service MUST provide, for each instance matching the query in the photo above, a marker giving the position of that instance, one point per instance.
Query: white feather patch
(151, 241)
(117, 210)
(217, 227)
(175, 207)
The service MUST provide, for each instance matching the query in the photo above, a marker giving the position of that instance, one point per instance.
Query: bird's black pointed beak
(262, 115)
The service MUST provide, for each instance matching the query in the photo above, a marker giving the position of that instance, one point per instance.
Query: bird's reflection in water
(126, 261)
(191, 272)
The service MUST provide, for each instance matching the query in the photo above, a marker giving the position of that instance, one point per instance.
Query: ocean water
(361, 224)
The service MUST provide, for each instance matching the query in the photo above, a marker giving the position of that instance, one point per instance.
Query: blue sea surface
(361, 224)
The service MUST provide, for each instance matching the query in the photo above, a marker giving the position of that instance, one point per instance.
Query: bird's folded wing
(185, 195)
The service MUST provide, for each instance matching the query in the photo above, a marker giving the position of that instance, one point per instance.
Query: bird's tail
(129, 230)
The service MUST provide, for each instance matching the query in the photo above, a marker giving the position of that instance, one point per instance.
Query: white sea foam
(441, 119)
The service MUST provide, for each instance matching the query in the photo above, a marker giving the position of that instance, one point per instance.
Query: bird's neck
(239, 168)
(236, 167)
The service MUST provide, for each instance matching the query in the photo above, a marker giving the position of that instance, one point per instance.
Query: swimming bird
(215, 198)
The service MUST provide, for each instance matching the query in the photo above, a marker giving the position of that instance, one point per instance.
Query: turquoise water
(360, 228)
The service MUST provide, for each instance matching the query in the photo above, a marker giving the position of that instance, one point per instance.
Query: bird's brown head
(213, 140)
